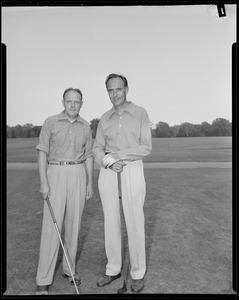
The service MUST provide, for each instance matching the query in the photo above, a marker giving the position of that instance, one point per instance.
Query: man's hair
(72, 89)
(113, 75)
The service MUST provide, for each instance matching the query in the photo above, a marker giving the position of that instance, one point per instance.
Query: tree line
(219, 127)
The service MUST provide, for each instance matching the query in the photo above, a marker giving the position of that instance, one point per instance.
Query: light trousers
(67, 197)
(133, 196)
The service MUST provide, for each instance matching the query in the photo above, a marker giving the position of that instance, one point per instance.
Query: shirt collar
(130, 108)
(62, 116)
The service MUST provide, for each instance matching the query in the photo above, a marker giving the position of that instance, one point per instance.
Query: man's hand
(45, 190)
(113, 161)
(89, 191)
(110, 159)
(118, 166)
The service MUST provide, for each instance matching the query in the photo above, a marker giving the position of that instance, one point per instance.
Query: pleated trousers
(67, 197)
(133, 196)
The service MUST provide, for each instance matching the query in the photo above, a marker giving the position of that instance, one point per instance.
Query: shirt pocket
(131, 128)
(111, 131)
(80, 138)
(59, 138)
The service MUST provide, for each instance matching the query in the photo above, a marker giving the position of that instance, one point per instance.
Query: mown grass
(188, 223)
(205, 149)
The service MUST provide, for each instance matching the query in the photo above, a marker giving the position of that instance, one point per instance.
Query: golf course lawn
(201, 149)
(188, 224)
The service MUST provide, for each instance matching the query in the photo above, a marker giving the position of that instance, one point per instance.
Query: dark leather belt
(65, 163)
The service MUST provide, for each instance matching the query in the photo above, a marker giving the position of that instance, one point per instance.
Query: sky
(177, 60)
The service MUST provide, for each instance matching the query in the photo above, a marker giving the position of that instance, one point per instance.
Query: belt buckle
(62, 163)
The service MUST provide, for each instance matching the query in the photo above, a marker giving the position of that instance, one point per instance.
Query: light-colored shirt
(128, 134)
(65, 141)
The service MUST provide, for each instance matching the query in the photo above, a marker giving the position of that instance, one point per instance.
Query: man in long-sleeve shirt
(123, 138)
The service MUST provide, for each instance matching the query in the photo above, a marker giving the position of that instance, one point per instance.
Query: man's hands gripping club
(113, 161)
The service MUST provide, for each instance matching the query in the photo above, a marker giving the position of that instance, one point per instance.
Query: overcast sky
(177, 60)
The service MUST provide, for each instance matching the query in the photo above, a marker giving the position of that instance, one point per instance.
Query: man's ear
(63, 103)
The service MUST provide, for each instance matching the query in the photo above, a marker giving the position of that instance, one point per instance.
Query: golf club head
(122, 290)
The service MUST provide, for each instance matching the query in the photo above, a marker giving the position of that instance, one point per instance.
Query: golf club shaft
(59, 235)
(119, 184)
(124, 288)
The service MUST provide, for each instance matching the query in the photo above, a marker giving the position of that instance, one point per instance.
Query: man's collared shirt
(65, 141)
(128, 134)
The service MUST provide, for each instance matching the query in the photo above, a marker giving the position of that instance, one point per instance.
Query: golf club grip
(119, 184)
(50, 208)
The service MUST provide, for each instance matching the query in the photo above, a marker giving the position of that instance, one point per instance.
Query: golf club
(59, 235)
(124, 288)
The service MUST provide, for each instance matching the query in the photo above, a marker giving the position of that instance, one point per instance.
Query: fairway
(188, 222)
(208, 149)
(188, 234)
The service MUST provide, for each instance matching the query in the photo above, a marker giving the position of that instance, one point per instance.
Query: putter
(124, 288)
(59, 235)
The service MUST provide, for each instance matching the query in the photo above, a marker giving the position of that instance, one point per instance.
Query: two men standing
(66, 165)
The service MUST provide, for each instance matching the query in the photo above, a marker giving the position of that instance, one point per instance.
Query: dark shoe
(137, 285)
(42, 290)
(70, 280)
(107, 279)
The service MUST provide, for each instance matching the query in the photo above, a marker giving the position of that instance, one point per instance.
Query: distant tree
(174, 130)
(230, 128)
(186, 130)
(26, 130)
(162, 129)
(93, 125)
(153, 127)
(221, 127)
(28, 125)
(12, 134)
(18, 131)
(9, 131)
(197, 130)
(35, 132)
(205, 129)
(153, 132)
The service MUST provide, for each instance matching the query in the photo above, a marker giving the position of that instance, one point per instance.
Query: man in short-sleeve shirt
(65, 167)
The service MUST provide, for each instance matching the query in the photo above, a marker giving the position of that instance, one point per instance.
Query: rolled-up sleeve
(44, 137)
(88, 145)
(99, 145)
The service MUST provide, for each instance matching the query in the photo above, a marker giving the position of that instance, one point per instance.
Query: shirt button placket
(120, 121)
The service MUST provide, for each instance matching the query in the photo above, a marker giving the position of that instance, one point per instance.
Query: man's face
(117, 91)
(72, 103)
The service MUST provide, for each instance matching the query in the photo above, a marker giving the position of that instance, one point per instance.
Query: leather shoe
(107, 279)
(70, 280)
(137, 285)
(42, 290)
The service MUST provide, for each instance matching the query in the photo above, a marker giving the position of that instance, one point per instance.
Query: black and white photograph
(120, 122)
